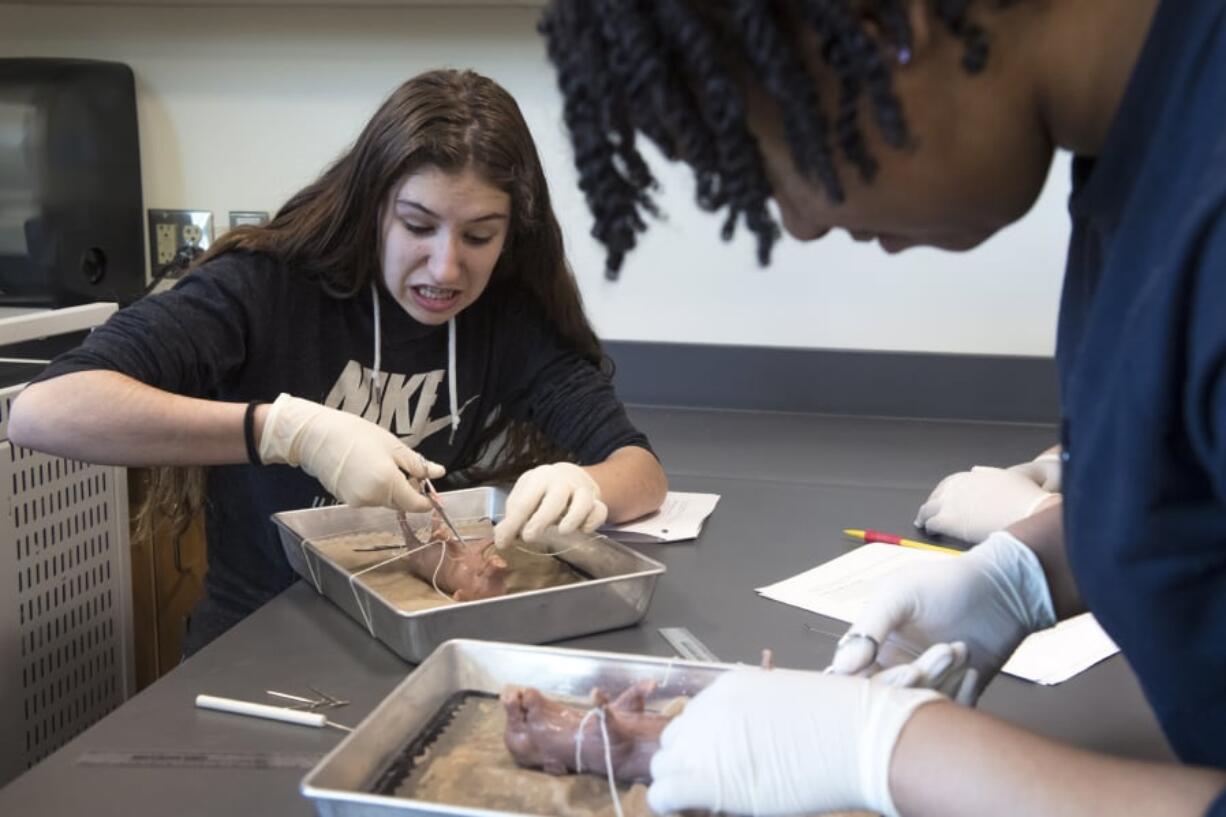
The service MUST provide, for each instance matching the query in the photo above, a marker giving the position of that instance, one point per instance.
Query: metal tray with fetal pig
(617, 586)
(355, 778)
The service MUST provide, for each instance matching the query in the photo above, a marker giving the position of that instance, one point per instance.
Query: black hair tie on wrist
(253, 451)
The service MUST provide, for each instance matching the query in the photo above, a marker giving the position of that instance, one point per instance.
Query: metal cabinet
(66, 649)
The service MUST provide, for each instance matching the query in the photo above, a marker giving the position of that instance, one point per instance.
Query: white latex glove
(355, 460)
(560, 494)
(943, 667)
(1044, 471)
(972, 504)
(990, 599)
(782, 742)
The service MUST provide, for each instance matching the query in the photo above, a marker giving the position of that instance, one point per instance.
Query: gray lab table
(789, 484)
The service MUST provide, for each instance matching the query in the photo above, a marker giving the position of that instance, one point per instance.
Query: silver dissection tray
(344, 782)
(617, 593)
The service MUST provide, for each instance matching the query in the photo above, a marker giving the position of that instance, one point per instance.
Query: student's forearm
(951, 761)
(631, 481)
(109, 418)
(1043, 532)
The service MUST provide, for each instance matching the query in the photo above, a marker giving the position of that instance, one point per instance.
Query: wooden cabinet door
(167, 581)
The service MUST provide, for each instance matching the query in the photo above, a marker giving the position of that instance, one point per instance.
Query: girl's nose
(444, 264)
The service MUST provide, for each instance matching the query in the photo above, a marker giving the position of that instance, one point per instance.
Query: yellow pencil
(890, 539)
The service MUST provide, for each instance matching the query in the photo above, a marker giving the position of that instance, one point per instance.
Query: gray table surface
(789, 483)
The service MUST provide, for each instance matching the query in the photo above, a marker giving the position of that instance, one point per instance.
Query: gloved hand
(1044, 471)
(783, 742)
(355, 460)
(990, 599)
(561, 494)
(943, 667)
(971, 504)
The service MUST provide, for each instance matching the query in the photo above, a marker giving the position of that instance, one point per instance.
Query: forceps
(324, 701)
(436, 501)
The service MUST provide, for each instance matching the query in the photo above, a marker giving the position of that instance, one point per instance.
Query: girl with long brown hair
(410, 314)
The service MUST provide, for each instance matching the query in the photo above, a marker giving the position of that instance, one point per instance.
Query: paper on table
(840, 587)
(1055, 655)
(679, 518)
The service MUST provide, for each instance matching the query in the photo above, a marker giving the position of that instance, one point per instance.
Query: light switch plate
(244, 218)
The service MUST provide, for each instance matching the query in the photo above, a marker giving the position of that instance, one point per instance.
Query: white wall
(239, 107)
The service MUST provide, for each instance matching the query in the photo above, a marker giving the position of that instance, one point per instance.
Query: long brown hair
(330, 229)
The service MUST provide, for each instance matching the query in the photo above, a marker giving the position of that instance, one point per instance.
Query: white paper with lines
(840, 587)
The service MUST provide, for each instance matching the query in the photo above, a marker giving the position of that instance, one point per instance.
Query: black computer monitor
(71, 217)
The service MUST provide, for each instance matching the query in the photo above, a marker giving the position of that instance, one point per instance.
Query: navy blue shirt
(245, 327)
(1142, 357)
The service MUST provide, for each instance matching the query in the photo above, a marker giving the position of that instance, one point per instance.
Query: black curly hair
(664, 67)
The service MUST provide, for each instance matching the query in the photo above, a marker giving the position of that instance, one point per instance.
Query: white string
(353, 577)
(315, 579)
(608, 753)
(668, 673)
(575, 546)
(548, 552)
(442, 554)
(376, 375)
(452, 387)
(357, 597)
(579, 739)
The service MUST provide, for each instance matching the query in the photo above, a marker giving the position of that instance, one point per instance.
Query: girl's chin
(429, 318)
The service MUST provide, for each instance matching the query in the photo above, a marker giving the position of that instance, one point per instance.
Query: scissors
(437, 502)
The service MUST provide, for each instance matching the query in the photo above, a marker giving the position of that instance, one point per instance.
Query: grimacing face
(978, 159)
(442, 234)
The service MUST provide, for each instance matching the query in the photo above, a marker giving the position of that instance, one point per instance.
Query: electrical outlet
(175, 237)
(166, 244)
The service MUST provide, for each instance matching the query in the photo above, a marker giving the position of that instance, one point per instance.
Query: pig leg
(541, 732)
(461, 570)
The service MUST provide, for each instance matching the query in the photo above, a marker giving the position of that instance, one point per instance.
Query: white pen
(274, 713)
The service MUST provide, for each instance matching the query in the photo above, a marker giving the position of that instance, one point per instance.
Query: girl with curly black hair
(934, 122)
